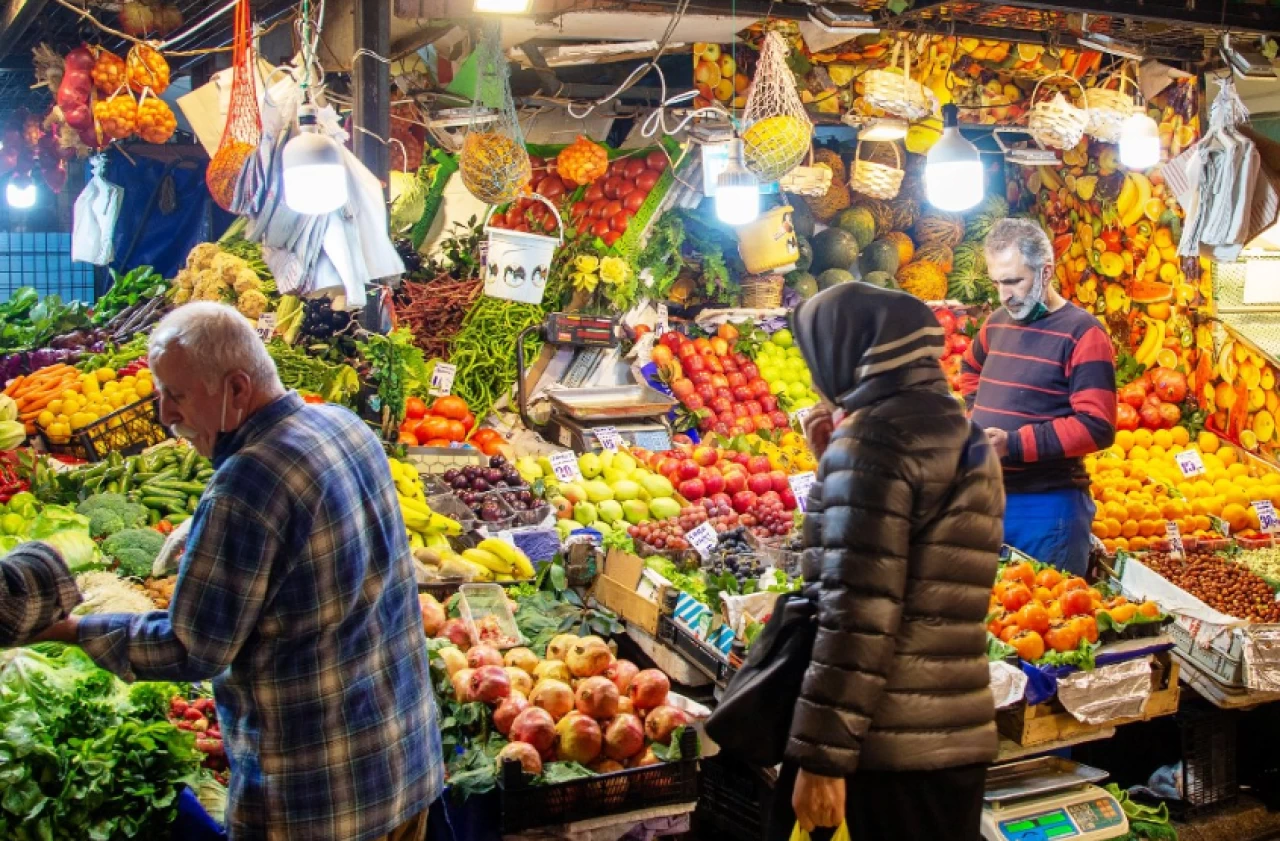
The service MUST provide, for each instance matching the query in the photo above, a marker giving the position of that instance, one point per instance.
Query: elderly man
(296, 592)
(1041, 379)
(36, 590)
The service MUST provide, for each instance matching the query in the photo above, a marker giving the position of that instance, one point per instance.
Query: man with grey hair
(1041, 379)
(296, 595)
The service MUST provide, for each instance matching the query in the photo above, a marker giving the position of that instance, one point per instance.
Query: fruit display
(200, 717)
(1152, 401)
(446, 421)
(1237, 390)
(782, 366)
(426, 528)
(959, 329)
(1227, 587)
(581, 162)
(1264, 561)
(88, 398)
(720, 76)
(146, 70)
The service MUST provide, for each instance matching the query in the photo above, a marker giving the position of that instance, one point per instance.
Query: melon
(859, 222)
(883, 214)
(879, 256)
(905, 213)
(826, 206)
(906, 248)
(940, 229)
(983, 219)
(834, 277)
(805, 260)
(882, 279)
(805, 284)
(834, 248)
(926, 281)
(940, 255)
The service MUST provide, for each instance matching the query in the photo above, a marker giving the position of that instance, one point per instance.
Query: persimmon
(1029, 645)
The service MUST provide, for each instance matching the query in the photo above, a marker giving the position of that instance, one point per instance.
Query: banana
(418, 517)
(439, 543)
(1136, 210)
(416, 541)
(1151, 342)
(478, 572)
(488, 560)
(508, 554)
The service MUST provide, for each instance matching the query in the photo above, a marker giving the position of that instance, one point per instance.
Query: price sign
(800, 485)
(799, 416)
(266, 326)
(609, 438)
(1221, 526)
(1190, 463)
(442, 378)
(1267, 520)
(1175, 539)
(565, 466)
(664, 323)
(703, 538)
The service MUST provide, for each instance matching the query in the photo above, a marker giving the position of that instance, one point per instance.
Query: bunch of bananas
(426, 528)
(496, 560)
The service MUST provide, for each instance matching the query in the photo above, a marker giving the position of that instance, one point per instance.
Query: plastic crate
(484, 601)
(733, 801)
(525, 805)
(703, 657)
(128, 430)
(1226, 667)
(1209, 760)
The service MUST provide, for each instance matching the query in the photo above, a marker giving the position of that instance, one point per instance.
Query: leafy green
(998, 649)
(673, 752)
(126, 290)
(1081, 657)
(563, 772)
(150, 701)
(76, 547)
(28, 321)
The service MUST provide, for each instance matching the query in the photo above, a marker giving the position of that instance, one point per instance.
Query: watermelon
(805, 284)
(859, 222)
(879, 256)
(805, 260)
(882, 279)
(834, 248)
(834, 277)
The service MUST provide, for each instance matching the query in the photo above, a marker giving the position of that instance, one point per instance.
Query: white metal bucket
(517, 263)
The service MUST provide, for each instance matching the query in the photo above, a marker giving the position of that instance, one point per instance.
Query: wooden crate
(616, 589)
(1037, 724)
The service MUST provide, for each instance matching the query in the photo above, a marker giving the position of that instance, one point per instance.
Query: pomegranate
(454, 660)
(649, 689)
(622, 672)
(597, 697)
(519, 678)
(623, 737)
(625, 706)
(645, 759)
(559, 646)
(484, 655)
(524, 753)
(489, 684)
(580, 738)
(605, 766)
(534, 726)
(506, 713)
(461, 681)
(433, 617)
(588, 658)
(552, 670)
(662, 721)
(521, 658)
(455, 631)
(553, 696)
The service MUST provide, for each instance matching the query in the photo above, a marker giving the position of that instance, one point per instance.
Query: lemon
(129, 382)
(55, 406)
(45, 418)
(144, 388)
(118, 399)
(106, 375)
(109, 387)
(70, 395)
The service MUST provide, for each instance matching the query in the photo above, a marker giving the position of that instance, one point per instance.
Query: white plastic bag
(94, 217)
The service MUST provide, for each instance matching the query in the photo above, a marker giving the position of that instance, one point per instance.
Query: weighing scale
(636, 412)
(1047, 799)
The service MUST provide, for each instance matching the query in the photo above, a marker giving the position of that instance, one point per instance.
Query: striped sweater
(1052, 386)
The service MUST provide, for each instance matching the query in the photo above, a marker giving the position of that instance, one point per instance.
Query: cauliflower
(181, 296)
(186, 279)
(209, 286)
(135, 550)
(202, 256)
(252, 303)
(227, 266)
(246, 280)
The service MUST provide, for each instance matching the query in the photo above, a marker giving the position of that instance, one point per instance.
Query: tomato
(550, 187)
(408, 439)
(1033, 617)
(611, 237)
(442, 443)
(468, 421)
(610, 210)
(1112, 239)
(594, 193)
(1015, 597)
(1075, 583)
(450, 406)
(634, 167)
(620, 220)
(1029, 645)
(597, 208)
(646, 180)
(580, 210)
(1062, 638)
(537, 163)
(601, 228)
(656, 161)
(455, 431)
(415, 408)
(633, 200)
(514, 216)
(484, 434)
(1076, 603)
(612, 187)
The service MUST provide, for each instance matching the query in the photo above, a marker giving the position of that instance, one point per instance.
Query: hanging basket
(1110, 107)
(517, 264)
(762, 291)
(778, 133)
(897, 93)
(876, 180)
(1056, 123)
(807, 179)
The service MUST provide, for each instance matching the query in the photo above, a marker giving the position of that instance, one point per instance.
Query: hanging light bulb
(1139, 142)
(20, 192)
(883, 129)
(315, 178)
(953, 168)
(501, 7)
(737, 190)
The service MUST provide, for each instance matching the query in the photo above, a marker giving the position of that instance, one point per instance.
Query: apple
(694, 403)
(742, 393)
(769, 403)
(695, 364)
(788, 499)
(758, 387)
(713, 482)
(779, 480)
(720, 381)
(779, 418)
(741, 458)
(735, 482)
(682, 388)
(721, 499)
(669, 467)
(744, 501)
(735, 380)
(706, 456)
(754, 407)
(759, 464)
(692, 489)
(689, 469)
(748, 426)
(761, 421)
(700, 378)
(759, 483)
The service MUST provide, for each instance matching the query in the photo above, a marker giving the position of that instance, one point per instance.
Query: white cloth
(93, 219)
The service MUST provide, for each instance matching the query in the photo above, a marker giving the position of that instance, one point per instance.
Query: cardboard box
(631, 591)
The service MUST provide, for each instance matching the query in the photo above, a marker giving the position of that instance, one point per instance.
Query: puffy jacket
(902, 538)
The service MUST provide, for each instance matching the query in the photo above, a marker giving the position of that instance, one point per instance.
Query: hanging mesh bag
(494, 164)
(778, 131)
(243, 129)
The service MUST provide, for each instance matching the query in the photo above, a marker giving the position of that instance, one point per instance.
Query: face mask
(183, 431)
(1032, 308)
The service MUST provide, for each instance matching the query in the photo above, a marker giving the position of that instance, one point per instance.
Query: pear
(585, 513)
(625, 489)
(610, 511)
(589, 464)
(635, 511)
(597, 491)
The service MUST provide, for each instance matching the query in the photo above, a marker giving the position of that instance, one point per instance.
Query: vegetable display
(1230, 588)
(127, 290)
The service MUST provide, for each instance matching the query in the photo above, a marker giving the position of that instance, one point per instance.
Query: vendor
(36, 590)
(1042, 381)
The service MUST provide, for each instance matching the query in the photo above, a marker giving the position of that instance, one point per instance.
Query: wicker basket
(762, 291)
(1109, 108)
(897, 93)
(876, 180)
(1055, 122)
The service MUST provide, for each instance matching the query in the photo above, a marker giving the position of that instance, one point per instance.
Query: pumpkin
(859, 222)
(926, 281)
(879, 256)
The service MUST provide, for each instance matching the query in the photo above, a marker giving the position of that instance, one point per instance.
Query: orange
(1208, 442)
(1147, 528)
(1236, 516)
(1124, 439)
(1129, 528)
(1113, 527)
(1139, 544)
(1139, 451)
(1110, 546)
(1121, 543)
(1162, 438)
(1143, 438)
(1134, 509)
(1099, 529)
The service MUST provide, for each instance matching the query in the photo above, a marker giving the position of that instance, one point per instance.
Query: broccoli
(109, 513)
(135, 549)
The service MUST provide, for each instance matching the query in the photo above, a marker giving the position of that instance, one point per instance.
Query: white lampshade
(501, 7)
(737, 190)
(1139, 142)
(20, 192)
(953, 170)
(315, 177)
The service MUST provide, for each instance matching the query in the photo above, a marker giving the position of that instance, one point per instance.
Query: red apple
(721, 428)
(779, 418)
(694, 403)
(669, 467)
(749, 370)
(724, 392)
(721, 405)
(759, 483)
(701, 378)
(692, 489)
(779, 480)
(713, 482)
(689, 469)
(741, 458)
(695, 363)
(788, 499)
(754, 407)
(706, 392)
(768, 403)
(736, 380)
(759, 464)
(742, 394)
(747, 424)
(735, 481)
(713, 363)
(686, 351)
(706, 418)
(720, 381)
(706, 456)
(762, 421)
(743, 501)
(759, 387)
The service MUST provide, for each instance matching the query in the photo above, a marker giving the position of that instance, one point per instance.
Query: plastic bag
(842, 834)
(494, 163)
(243, 129)
(778, 131)
(93, 221)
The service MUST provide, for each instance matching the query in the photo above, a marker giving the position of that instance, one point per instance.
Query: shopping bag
(842, 834)
(93, 219)
(243, 129)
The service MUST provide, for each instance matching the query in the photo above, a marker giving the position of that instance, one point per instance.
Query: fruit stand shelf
(1222, 697)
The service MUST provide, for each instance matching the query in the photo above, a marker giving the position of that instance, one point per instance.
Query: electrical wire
(87, 17)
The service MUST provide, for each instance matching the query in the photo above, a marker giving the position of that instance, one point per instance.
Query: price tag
(266, 326)
(703, 538)
(664, 323)
(565, 466)
(442, 378)
(1221, 526)
(609, 438)
(1175, 539)
(1267, 520)
(799, 416)
(800, 485)
(1190, 463)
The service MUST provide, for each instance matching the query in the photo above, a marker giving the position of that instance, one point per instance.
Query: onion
(80, 59)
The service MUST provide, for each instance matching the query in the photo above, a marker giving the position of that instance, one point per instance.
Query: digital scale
(1047, 799)
(636, 412)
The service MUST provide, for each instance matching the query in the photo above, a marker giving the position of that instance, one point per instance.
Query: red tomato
(580, 209)
(633, 200)
(414, 408)
(610, 210)
(620, 220)
(646, 180)
(634, 167)
(550, 187)
(594, 192)
(610, 238)
(597, 208)
(656, 161)
(601, 228)
(612, 187)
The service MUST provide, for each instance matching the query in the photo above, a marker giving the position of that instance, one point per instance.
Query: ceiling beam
(18, 17)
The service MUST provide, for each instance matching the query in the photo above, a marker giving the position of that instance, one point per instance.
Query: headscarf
(855, 331)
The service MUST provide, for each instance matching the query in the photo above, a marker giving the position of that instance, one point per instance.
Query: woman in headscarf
(36, 590)
(895, 723)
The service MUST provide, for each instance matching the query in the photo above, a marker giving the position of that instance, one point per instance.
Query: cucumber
(178, 487)
(113, 487)
(192, 502)
(189, 464)
(129, 470)
(153, 516)
(178, 519)
(204, 475)
(164, 475)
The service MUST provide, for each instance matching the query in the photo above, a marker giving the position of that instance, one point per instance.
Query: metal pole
(372, 84)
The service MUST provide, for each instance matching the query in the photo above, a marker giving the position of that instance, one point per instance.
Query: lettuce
(76, 548)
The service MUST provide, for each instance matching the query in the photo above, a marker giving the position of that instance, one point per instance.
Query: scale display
(581, 330)
(1088, 818)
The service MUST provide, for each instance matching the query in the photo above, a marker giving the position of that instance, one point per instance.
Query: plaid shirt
(297, 592)
(36, 590)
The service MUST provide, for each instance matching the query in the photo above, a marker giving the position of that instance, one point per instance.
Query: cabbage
(53, 519)
(77, 549)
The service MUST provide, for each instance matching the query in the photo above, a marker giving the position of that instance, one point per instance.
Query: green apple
(635, 511)
(610, 510)
(782, 338)
(585, 513)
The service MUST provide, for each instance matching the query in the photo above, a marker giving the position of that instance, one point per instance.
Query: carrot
(46, 394)
(14, 384)
(34, 385)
